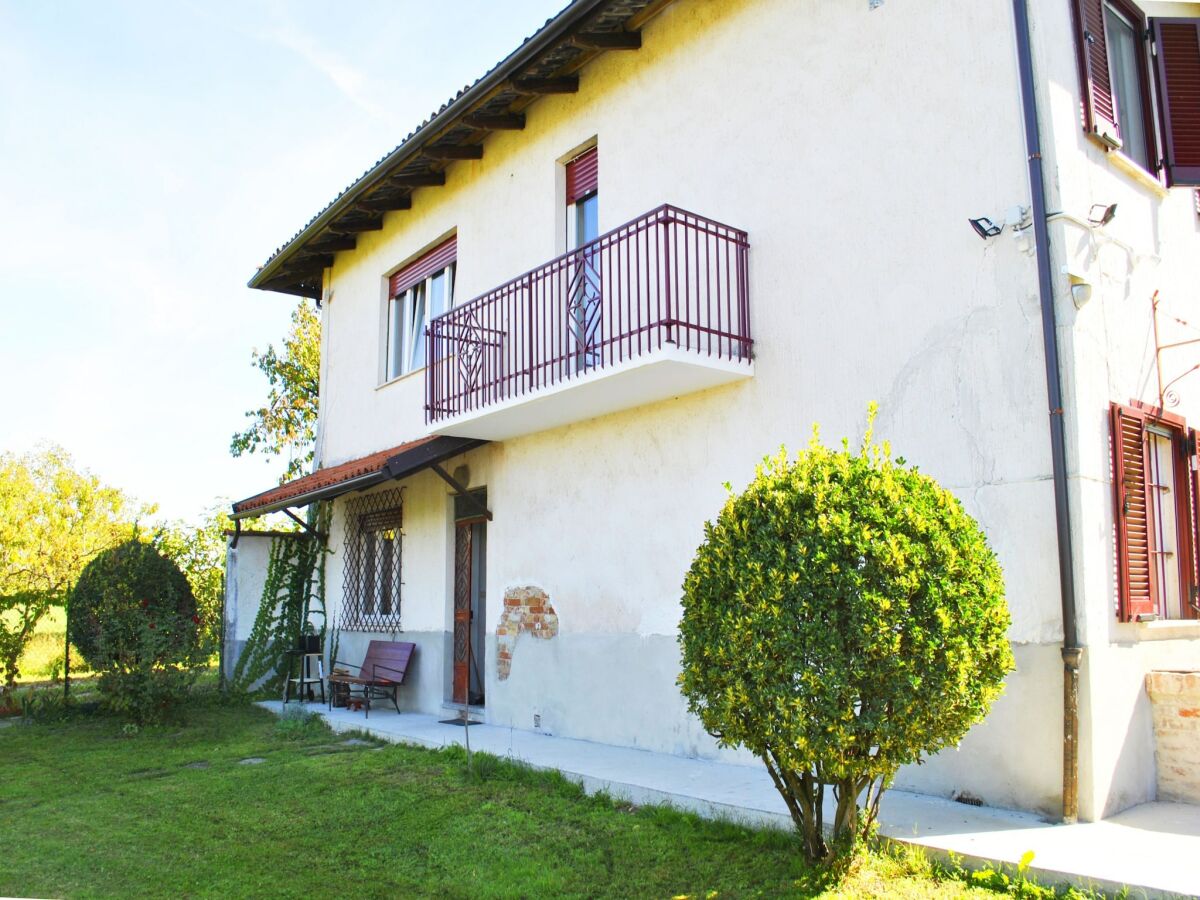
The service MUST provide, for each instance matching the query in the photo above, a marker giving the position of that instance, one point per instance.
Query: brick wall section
(527, 610)
(1175, 697)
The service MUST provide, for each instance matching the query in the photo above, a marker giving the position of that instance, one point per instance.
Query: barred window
(374, 539)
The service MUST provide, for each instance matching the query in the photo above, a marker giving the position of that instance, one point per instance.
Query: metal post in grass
(67, 649)
(466, 707)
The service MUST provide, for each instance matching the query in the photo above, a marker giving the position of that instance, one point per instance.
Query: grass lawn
(88, 811)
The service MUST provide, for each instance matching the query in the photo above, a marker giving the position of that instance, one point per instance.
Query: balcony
(651, 310)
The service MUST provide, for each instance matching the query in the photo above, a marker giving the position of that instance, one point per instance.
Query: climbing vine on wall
(293, 595)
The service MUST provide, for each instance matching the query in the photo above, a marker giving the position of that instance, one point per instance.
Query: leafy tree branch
(287, 423)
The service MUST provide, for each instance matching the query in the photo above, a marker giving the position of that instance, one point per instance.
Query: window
(418, 292)
(1157, 513)
(1127, 64)
(583, 203)
(374, 540)
(1130, 69)
(584, 323)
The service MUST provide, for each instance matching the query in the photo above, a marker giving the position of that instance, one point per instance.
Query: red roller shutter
(420, 269)
(1134, 570)
(1177, 45)
(583, 175)
(1099, 111)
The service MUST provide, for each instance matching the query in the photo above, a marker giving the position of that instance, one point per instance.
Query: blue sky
(151, 155)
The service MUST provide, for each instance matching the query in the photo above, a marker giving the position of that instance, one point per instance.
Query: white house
(664, 237)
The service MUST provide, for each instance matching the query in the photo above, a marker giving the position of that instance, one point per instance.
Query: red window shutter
(583, 175)
(1192, 462)
(1177, 46)
(1091, 44)
(1135, 574)
(424, 266)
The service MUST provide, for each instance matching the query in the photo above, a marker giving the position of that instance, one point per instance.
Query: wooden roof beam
(609, 40)
(566, 85)
(418, 179)
(503, 122)
(299, 275)
(372, 223)
(308, 262)
(332, 243)
(288, 285)
(462, 151)
(385, 204)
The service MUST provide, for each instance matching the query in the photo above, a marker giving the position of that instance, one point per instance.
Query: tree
(288, 422)
(843, 617)
(200, 552)
(53, 520)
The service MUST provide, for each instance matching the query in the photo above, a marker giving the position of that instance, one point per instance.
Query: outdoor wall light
(1081, 293)
(985, 227)
(1101, 214)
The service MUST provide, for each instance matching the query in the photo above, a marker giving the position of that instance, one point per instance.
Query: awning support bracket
(462, 491)
(299, 521)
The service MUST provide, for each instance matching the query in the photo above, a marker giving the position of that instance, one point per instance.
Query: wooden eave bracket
(499, 122)
(389, 204)
(566, 85)
(320, 535)
(333, 242)
(354, 226)
(609, 40)
(462, 491)
(417, 179)
(454, 151)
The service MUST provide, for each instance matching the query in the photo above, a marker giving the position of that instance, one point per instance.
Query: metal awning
(356, 475)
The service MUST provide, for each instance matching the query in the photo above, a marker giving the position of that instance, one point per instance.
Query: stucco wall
(245, 577)
(844, 141)
(1153, 244)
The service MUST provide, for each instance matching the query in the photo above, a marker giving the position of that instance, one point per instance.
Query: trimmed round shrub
(134, 619)
(843, 617)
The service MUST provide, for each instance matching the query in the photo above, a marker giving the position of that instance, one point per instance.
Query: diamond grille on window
(374, 540)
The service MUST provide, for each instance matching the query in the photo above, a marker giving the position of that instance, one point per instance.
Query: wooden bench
(380, 675)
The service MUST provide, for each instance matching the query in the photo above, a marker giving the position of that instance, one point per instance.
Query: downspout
(1072, 653)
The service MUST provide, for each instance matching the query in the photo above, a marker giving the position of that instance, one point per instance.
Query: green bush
(134, 620)
(843, 617)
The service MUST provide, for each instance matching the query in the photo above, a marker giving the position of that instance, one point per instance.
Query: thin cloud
(352, 82)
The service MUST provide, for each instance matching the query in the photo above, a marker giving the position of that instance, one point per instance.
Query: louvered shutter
(583, 175)
(424, 266)
(1135, 574)
(1177, 47)
(1192, 462)
(1099, 110)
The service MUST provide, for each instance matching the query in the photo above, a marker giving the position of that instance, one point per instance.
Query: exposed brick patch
(527, 610)
(1175, 697)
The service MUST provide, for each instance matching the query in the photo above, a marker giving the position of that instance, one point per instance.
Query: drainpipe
(1072, 652)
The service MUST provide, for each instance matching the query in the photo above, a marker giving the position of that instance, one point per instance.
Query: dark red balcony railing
(669, 278)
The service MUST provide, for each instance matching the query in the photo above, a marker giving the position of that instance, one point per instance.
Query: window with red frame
(418, 292)
(1156, 489)
(1130, 66)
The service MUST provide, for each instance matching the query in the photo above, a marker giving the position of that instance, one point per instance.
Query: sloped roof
(357, 474)
(547, 62)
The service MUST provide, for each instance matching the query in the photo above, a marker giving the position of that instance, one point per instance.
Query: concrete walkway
(1154, 849)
